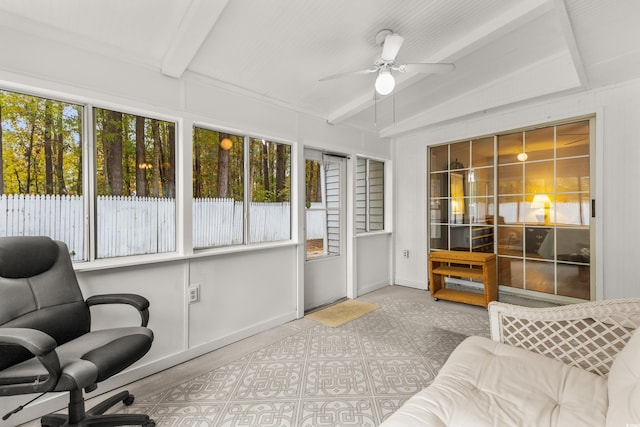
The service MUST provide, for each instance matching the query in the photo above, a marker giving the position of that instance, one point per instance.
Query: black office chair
(46, 344)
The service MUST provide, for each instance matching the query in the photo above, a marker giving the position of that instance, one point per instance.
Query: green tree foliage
(313, 182)
(270, 171)
(40, 145)
(135, 155)
(207, 173)
(219, 171)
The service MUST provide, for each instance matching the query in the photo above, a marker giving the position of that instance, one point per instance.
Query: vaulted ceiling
(505, 52)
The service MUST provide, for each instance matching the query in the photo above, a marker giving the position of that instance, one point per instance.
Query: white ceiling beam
(570, 39)
(502, 24)
(197, 23)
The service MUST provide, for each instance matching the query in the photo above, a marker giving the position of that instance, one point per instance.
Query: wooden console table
(474, 265)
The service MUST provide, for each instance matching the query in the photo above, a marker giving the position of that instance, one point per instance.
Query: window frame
(93, 177)
(554, 226)
(367, 193)
(89, 260)
(246, 243)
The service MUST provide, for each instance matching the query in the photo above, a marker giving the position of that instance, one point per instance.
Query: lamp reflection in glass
(542, 203)
(385, 82)
(457, 198)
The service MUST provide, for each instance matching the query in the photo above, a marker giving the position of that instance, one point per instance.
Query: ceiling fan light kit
(385, 82)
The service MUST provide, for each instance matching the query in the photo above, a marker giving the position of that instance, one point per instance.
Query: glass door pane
(552, 247)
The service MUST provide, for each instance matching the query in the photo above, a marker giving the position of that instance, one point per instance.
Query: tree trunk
(141, 160)
(59, 143)
(29, 156)
(223, 168)
(318, 189)
(155, 186)
(113, 139)
(280, 172)
(265, 167)
(48, 148)
(62, 187)
(171, 141)
(164, 164)
(79, 150)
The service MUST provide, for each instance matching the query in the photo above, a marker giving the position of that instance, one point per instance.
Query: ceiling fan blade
(435, 68)
(347, 74)
(391, 47)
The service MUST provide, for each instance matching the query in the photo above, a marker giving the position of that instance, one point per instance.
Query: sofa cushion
(485, 383)
(624, 385)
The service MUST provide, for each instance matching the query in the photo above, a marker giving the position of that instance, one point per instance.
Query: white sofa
(576, 365)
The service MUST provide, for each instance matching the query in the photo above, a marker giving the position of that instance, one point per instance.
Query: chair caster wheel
(436, 299)
(129, 399)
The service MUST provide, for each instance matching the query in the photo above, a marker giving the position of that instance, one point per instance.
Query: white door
(325, 272)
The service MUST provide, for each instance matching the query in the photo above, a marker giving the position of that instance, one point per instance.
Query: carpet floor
(353, 375)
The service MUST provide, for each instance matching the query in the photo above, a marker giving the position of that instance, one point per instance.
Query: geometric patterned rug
(353, 375)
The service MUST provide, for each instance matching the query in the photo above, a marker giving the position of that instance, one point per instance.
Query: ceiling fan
(385, 82)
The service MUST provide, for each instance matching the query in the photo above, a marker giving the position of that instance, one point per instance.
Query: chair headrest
(26, 256)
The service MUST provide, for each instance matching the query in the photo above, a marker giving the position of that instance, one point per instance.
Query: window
(523, 195)
(270, 177)
(544, 210)
(131, 181)
(461, 195)
(369, 195)
(323, 200)
(41, 165)
(135, 184)
(218, 188)
(226, 167)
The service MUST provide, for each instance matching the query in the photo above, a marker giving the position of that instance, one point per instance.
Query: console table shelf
(473, 265)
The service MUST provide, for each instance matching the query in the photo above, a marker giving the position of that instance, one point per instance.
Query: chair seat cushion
(485, 383)
(87, 359)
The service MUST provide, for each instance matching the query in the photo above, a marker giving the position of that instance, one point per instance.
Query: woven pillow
(624, 386)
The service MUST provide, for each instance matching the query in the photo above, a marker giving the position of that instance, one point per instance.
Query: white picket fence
(59, 217)
(139, 225)
(218, 222)
(134, 225)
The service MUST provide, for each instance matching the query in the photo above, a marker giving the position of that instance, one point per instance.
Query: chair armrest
(42, 346)
(587, 335)
(139, 302)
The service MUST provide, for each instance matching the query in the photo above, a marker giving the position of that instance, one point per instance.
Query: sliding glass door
(525, 196)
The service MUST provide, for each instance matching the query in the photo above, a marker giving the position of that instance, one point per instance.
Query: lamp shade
(540, 201)
(385, 82)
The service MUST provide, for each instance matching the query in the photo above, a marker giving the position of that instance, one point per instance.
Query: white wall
(242, 291)
(373, 261)
(617, 110)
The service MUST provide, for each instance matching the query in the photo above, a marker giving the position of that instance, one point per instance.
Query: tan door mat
(341, 313)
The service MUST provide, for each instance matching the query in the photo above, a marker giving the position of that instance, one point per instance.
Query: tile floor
(306, 374)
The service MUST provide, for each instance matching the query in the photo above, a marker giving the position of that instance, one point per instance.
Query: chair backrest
(39, 290)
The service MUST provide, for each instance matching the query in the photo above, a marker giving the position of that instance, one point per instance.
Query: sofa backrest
(624, 385)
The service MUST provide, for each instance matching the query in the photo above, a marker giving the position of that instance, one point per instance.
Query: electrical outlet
(405, 253)
(194, 293)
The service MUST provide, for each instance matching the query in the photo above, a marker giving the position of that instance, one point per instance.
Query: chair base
(77, 416)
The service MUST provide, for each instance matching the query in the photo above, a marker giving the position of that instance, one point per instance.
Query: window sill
(373, 233)
(139, 260)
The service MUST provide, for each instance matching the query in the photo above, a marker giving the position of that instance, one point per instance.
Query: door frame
(348, 240)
